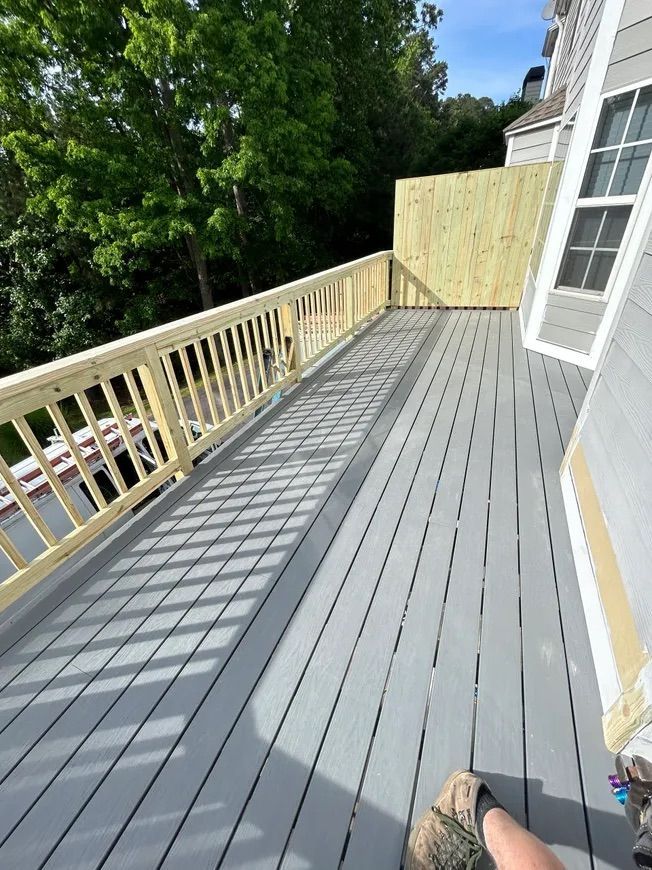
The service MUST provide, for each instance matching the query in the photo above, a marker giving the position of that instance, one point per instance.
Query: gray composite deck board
(370, 586)
(499, 741)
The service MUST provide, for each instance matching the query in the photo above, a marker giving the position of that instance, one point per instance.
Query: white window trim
(606, 201)
(586, 120)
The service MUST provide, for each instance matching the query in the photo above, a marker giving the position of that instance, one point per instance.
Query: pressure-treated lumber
(465, 239)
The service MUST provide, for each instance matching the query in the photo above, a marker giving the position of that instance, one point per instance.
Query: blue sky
(490, 44)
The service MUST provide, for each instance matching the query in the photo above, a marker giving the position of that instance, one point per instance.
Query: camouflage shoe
(446, 835)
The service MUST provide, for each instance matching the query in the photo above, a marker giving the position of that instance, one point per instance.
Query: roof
(548, 109)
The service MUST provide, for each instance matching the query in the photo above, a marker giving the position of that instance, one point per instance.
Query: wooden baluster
(116, 410)
(276, 335)
(208, 387)
(250, 357)
(103, 447)
(235, 393)
(161, 401)
(168, 366)
(259, 354)
(11, 551)
(24, 501)
(320, 319)
(192, 388)
(31, 442)
(240, 359)
(136, 398)
(82, 466)
(217, 368)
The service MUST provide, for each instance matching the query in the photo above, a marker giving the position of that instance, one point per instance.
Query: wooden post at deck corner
(162, 404)
(290, 323)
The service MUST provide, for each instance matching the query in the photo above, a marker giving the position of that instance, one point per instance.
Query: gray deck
(281, 662)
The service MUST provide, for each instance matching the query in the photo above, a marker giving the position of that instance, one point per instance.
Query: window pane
(598, 174)
(586, 226)
(640, 127)
(613, 120)
(630, 169)
(599, 271)
(574, 268)
(614, 225)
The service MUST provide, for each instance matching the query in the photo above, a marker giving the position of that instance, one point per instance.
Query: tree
(159, 155)
(164, 123)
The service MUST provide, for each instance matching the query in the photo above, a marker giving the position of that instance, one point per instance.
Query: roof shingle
(546, 110)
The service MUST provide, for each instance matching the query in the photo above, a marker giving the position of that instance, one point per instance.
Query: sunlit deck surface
(280, 661)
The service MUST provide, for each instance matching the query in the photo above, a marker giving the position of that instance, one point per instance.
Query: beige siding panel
(576, 303)
(565, 60)
(532, 147)
(572, 339)
(583, 321)
(631, 59)
(582, 55)
(634, 11)
(464, 239)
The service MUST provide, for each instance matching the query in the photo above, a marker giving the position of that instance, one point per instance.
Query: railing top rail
(179, 330)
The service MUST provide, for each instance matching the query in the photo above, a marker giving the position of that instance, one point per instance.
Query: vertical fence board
(465, 239)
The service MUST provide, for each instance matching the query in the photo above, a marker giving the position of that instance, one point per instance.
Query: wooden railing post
(291, 330)
(161, 402)
(348, 302)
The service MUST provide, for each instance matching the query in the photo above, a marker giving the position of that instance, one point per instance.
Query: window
(617, 164)
(593, 243)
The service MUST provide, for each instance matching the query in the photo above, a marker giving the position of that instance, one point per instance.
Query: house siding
(631, 58)
(566, 53)
(587, 31)
(617, 442)
(532, 147)
(571, 322)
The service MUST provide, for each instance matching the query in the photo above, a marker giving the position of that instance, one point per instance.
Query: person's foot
(447, 834)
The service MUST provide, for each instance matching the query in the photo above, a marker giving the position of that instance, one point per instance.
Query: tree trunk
(201, 268)
(185, 182)
(248, 286)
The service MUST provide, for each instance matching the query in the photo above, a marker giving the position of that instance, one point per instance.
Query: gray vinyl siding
(571, 322)
(587, 31)
(532, 147)
(617, 441)
(528, 297)
(631, 58)
(563, 142)
(569, 38)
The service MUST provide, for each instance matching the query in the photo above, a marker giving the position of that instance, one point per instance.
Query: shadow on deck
(281, 661)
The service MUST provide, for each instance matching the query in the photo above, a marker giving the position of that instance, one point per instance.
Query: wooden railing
(161, 398)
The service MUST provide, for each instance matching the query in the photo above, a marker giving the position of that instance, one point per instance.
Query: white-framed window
(616, 166)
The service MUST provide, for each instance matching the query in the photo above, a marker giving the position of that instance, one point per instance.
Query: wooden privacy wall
(465, 239)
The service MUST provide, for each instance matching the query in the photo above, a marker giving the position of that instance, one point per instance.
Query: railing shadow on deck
(123, 759)
(162, 397)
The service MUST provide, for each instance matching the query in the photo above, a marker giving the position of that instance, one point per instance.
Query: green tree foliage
(157, 156)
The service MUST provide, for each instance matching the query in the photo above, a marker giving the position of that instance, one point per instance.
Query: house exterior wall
(617, 441)
(610, 450)
(532, 146)
(587, 30)
(632, 50)
(564, 61)
(571, 322)
(606, 45)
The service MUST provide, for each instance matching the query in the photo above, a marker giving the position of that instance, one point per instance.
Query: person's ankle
(485, 805)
